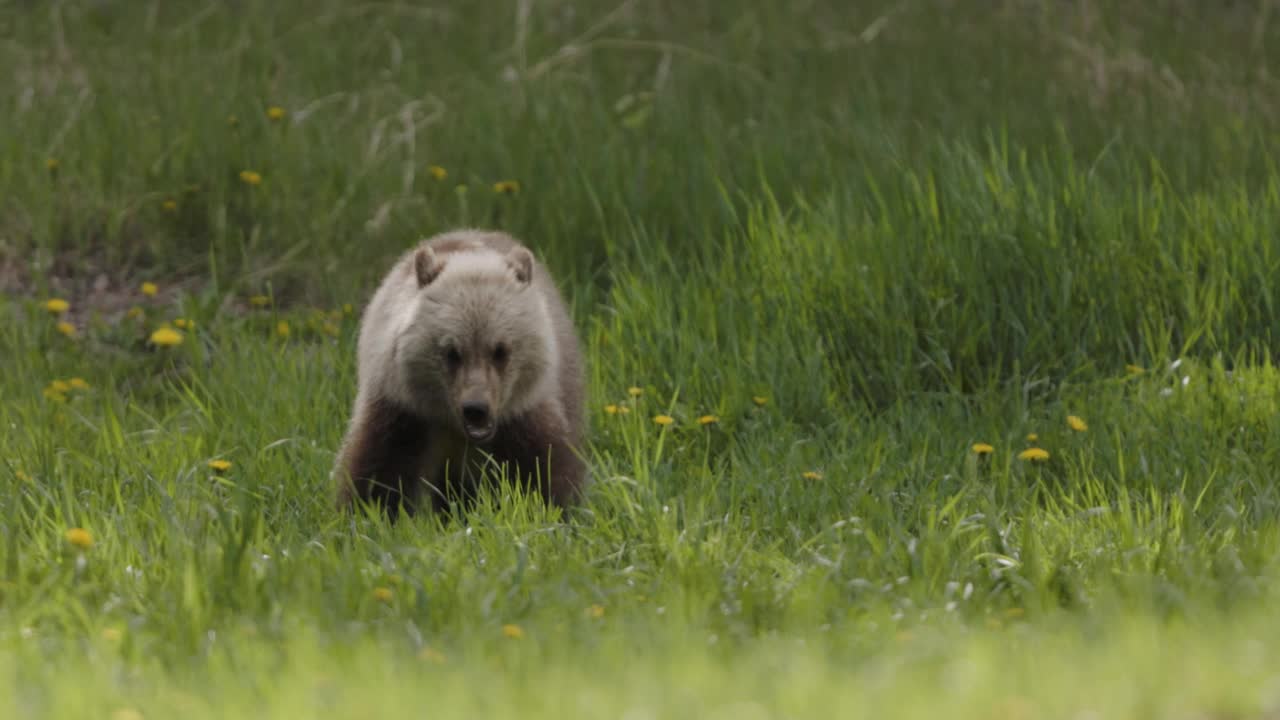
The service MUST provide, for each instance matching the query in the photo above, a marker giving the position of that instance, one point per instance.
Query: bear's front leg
(382, 458)
(539, 446)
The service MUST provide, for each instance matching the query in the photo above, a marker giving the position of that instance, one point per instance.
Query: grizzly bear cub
(467, 359)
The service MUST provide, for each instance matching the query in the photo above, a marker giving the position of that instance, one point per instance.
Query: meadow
(930, 351)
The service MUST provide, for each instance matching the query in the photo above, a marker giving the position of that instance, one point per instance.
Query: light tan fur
(467, 319)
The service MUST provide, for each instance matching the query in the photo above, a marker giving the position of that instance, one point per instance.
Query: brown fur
(403, 449)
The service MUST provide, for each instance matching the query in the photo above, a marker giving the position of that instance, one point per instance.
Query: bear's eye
(453, 357)
(500, 354)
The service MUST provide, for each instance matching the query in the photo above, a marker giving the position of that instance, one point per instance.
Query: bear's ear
(427, 266)
(521, 262)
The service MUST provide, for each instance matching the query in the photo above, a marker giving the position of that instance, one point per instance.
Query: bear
(467, 359)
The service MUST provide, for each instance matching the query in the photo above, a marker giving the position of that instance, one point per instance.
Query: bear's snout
(477, 420)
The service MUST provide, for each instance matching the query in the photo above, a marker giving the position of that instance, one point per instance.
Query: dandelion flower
(149, 289)
(811, 475)
(250, 177)
(169, 205)
(1032, 437)
(760, 400)
(57, 306)
(166, 337)
(61, 386)
(506, 187)
(184, 323)
(80, 538)
(51, 394)
(282, 329)
(275, 113)
(51, 164)
(663, 419)
(1077, 423)
(438, 172)
(1036, 454)
(259, 300)
(634, 391)
(708, 420)
(515, 632)
(347, 309)
(220, 465)
(67, 329)
(22, 476)
(611, 409)
(983, 448)
(431, 655)
(134, 313)
(382, 594)
(78, 383)
(595, 611)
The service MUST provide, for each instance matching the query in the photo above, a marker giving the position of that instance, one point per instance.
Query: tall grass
(839, 243)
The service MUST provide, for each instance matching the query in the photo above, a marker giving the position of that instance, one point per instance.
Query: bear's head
(480, 344)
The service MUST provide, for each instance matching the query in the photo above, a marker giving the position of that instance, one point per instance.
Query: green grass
(904, 227)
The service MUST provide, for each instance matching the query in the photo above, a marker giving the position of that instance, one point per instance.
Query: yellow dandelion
(169, 205)
(184, 323)
(80, 538)
(275, 113)
(51, 394)
(112, 634)
(22, 476)
(51, 164)
(634, 391)
(611, 409)
(347, 309)
(219, 465)
(134, 313)
(983, 449)
(595, 611)
(78, 383)
(1077, 424)
(259, 300)
(1134, 369)
(760, 400)
(431, 655)
(382, 594)
(1035, 454)
(67, 329)
(166, 337)
(663, 419)
(708, 420)
(506, 187)
(1032, 437)
(438, 172)
(250, 177)
(57, 306)
(282, 329)
(61, 386)
(149, 289)
(515, 632)
(812, 475)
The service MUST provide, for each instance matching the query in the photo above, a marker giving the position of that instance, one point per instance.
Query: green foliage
(856, 239)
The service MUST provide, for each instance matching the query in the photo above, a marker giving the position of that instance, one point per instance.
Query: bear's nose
(475, 413)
